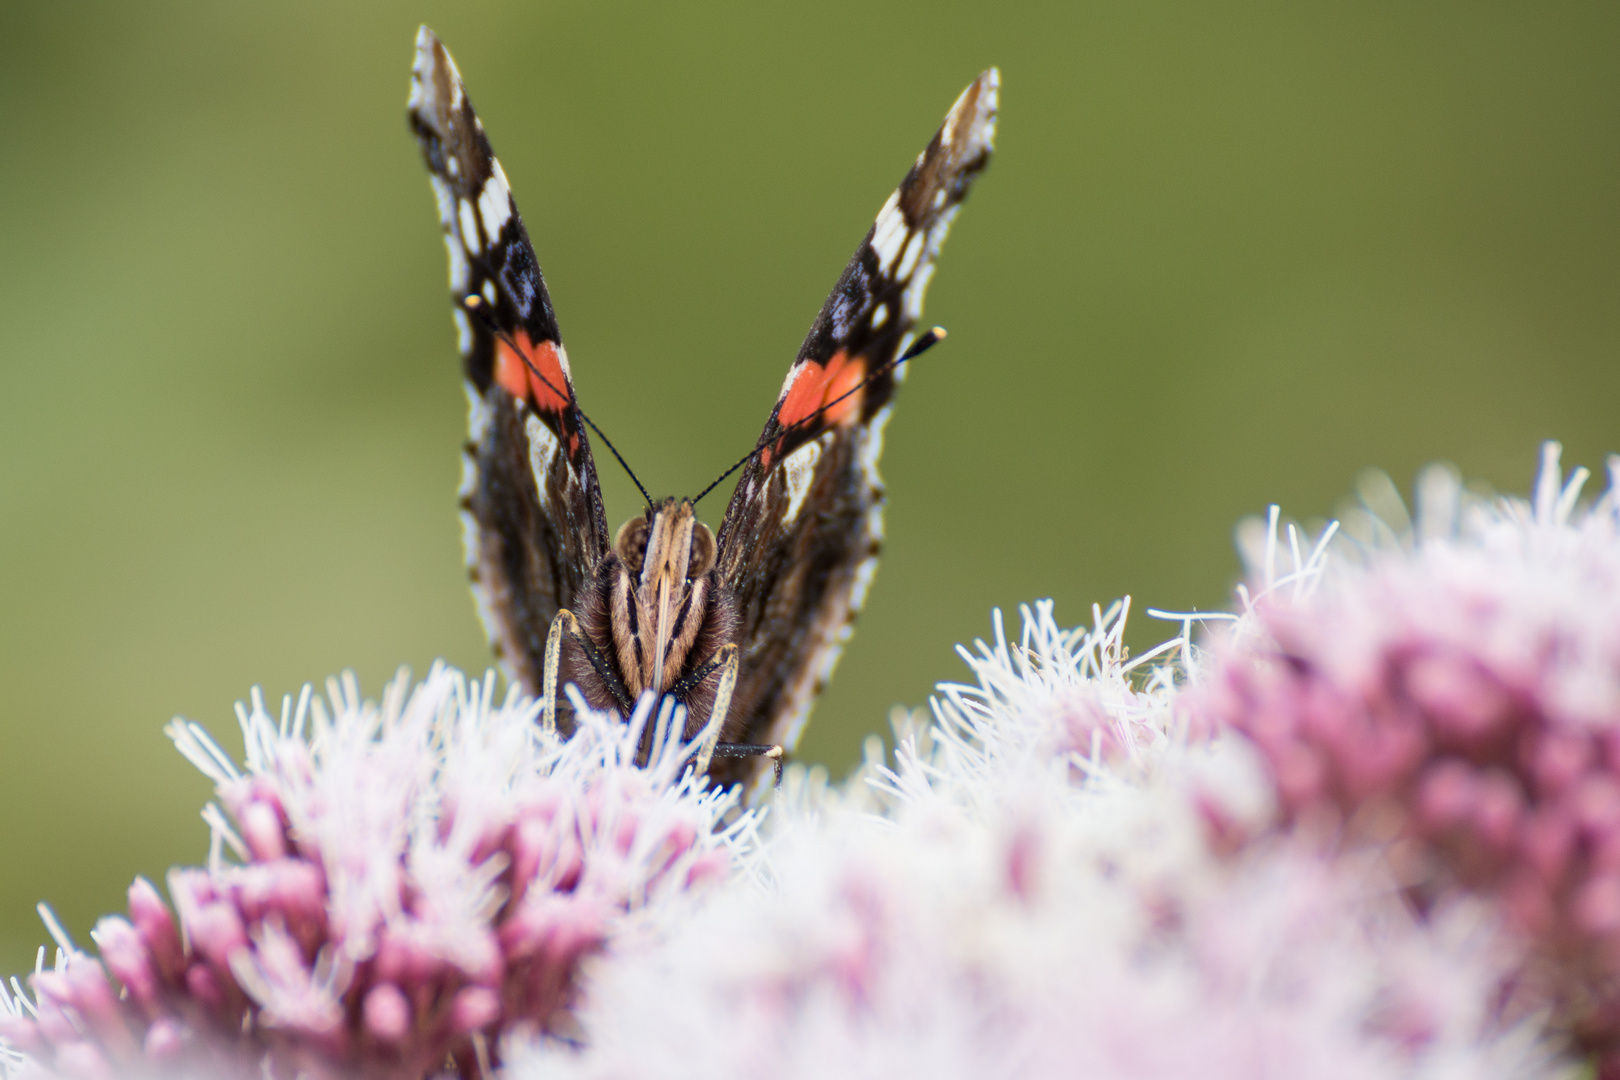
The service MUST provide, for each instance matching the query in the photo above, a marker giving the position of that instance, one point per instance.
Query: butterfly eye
(631, 544)
(702, 551)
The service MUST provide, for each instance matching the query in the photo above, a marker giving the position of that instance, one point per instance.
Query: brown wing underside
(800, 538)
(530, 537)
(800, 566)
(531, 506)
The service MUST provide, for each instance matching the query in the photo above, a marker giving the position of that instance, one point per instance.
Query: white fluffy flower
(391, 886)
(1030, 892)
(1453, 685)
(1079, 865)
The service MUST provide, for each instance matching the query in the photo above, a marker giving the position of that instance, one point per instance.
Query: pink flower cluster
(993, 906)
(435, 885)
(1462, 696)
(414, 884)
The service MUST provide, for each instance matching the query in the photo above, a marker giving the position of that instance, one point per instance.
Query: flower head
(1022, 894)
(1080, 864)
(1458, 691)
(392, 886)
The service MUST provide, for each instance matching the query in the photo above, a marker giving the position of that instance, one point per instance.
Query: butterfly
(741, 627)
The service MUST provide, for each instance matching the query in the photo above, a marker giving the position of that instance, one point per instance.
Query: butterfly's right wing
(532, 510)
(800, 539)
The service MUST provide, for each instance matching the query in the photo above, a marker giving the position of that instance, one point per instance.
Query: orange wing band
(544, 386)
(817, 385)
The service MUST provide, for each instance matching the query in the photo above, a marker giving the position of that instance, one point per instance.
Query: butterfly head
(660, 592)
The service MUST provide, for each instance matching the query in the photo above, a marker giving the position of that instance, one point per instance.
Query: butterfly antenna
(600, 434)
(480, 310)
(918, 347)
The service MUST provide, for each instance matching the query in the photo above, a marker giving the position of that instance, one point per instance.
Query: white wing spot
(870, 450)
(880, 315)
(422, 66)
(494, 205)
(477, 414)
(489, 292)
(458, 263)
(864, 573)
(464, 334)
(799, 472)
(452, 165)
(908, 261)
(543, 447)
(472, 550)
(446, 199)
(447, 218)
(889, 232)
(469, 227)
(869, 454)
(911, 301)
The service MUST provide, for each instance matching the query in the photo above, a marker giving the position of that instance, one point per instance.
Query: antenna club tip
(939, 332)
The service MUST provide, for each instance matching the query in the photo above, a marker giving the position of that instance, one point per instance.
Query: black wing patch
(531, 506)
(800, 539)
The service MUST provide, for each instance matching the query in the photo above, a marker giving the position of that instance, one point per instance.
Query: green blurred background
(1225, 255)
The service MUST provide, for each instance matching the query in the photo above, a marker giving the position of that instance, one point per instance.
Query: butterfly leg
(566, 623)
(733, 749)
(548, 690)
(709, 738)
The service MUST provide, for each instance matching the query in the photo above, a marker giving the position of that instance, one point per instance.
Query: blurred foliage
(1226, 255)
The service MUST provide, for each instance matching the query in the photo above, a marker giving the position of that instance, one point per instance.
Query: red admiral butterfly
(743, 627)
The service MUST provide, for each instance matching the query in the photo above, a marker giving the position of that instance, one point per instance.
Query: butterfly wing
(800, 538)
(531, 507)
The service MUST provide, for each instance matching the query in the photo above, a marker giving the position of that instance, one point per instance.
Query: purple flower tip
(387, 1013)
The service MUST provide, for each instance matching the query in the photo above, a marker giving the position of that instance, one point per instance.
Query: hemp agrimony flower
(1367, 827)
(1453, 693)
(392, 889)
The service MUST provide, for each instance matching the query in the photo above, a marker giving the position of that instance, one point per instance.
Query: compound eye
(702, 551)
(631, 544)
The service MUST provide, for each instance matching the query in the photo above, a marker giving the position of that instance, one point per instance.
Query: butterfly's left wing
(799, 541)
(531, 505)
